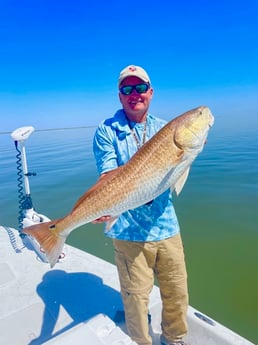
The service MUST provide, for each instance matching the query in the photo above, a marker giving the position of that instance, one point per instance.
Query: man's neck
(139, 118)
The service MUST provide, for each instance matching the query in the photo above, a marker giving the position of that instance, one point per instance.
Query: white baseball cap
(135, 71)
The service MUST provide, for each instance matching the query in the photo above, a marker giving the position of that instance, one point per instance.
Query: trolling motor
(27, 215)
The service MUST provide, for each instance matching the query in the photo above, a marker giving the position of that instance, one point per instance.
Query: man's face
(136, 104)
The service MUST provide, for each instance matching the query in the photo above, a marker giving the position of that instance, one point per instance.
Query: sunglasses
(139, 88)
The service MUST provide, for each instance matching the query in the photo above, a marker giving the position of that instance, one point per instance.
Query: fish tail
(49, 239)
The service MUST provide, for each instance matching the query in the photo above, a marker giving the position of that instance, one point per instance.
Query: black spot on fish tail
(52, 226)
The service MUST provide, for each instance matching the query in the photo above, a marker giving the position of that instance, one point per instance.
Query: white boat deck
(77, 302)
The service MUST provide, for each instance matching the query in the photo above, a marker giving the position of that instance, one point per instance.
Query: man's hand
(101, 219)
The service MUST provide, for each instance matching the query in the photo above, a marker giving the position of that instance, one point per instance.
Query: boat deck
(77, 302)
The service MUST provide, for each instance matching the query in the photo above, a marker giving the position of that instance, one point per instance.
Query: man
(147, 239)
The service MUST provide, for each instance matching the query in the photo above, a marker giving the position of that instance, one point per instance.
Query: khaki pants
(137, 262)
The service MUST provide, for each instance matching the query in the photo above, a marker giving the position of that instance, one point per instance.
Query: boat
(78, 301)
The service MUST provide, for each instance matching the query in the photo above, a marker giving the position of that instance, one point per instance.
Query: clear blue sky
(60, 60)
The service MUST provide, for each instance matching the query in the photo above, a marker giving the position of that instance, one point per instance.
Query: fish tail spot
(48, 238)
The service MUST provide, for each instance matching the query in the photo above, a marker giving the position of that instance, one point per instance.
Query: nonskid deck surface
(77, 302)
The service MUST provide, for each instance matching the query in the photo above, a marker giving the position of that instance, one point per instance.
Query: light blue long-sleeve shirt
(113, 145)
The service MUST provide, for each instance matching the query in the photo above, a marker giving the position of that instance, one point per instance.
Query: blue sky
(60, 60)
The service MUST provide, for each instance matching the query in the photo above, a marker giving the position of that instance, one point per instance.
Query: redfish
(163, 162)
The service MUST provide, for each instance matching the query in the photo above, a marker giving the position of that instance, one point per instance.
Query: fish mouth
(211, 121)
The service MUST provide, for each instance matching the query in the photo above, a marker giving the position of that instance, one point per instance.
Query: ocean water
(217, 211)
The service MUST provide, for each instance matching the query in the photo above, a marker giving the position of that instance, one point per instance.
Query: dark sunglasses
(139, 88)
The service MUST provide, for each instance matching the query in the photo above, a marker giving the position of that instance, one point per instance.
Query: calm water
(217, 210)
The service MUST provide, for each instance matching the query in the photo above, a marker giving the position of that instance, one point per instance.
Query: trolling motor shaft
(27, 215)
(24, 198)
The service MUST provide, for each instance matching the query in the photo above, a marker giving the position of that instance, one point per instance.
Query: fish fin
(181, 181)
(48, 238)
(111, 222)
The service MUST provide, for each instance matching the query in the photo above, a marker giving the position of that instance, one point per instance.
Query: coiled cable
(20, 187)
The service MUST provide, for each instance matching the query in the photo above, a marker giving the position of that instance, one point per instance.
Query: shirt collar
(120, 122)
